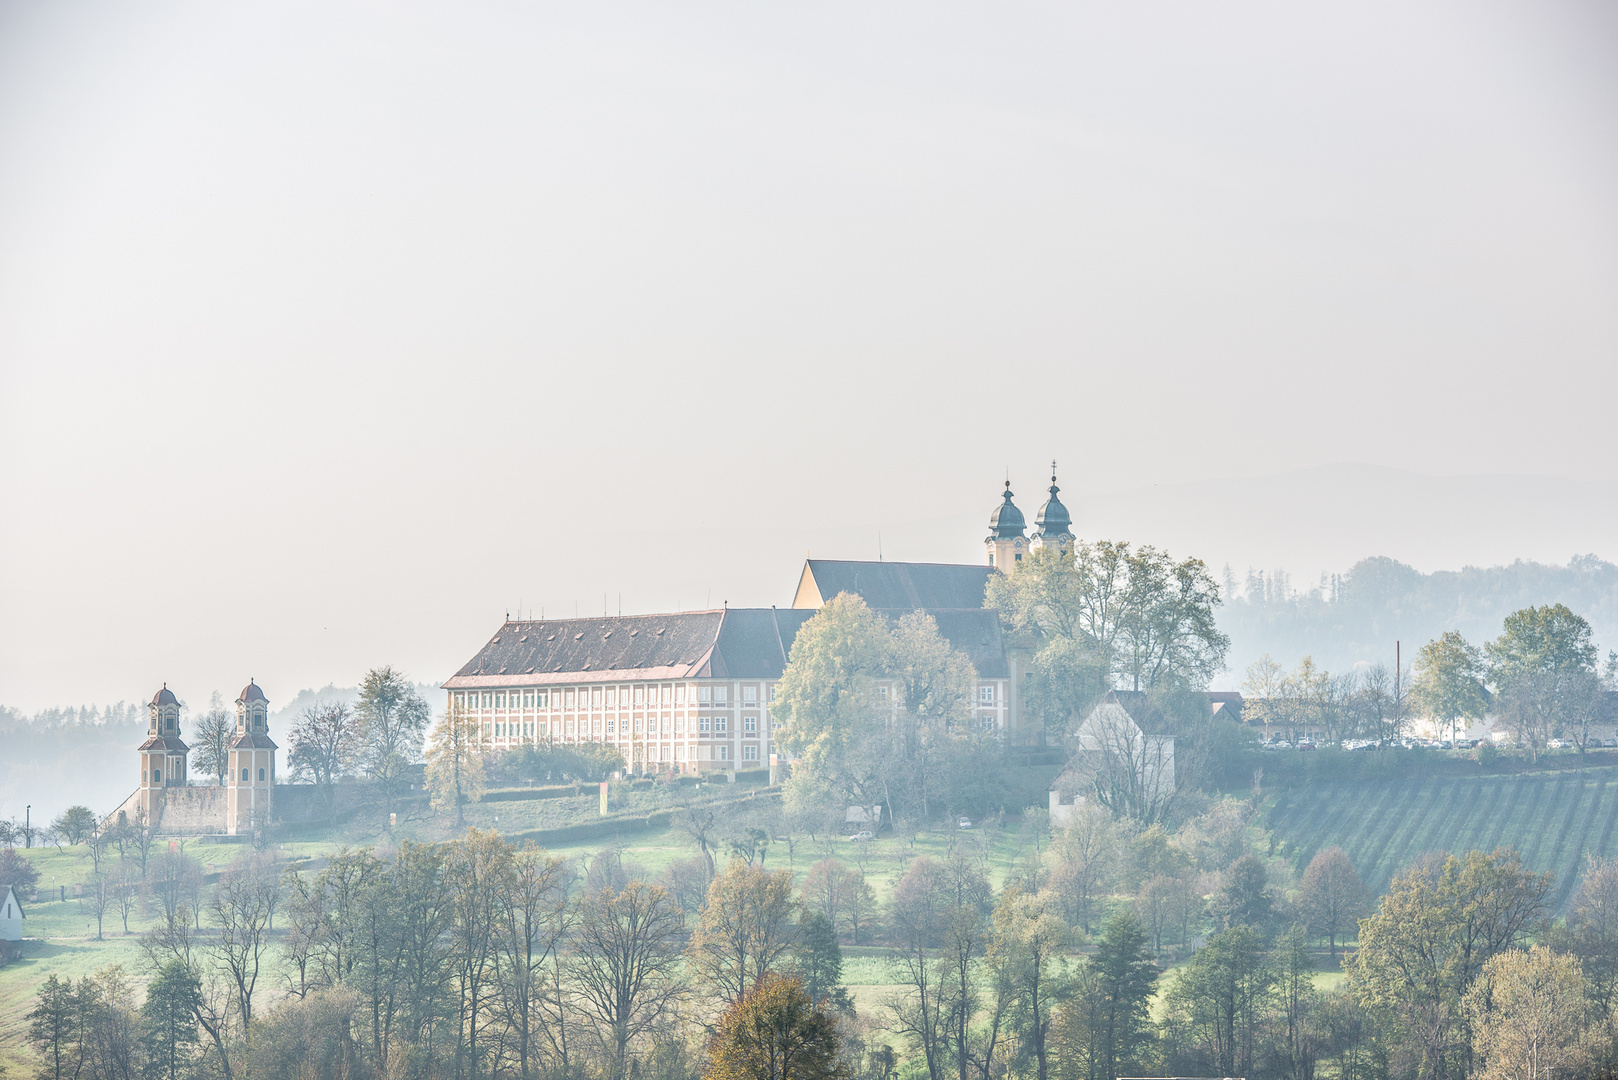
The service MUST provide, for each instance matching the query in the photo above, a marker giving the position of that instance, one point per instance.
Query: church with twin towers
(677, 692)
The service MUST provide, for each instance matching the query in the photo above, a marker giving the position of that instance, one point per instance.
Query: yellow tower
(251, 781)
(162, 755)
(1006, 544)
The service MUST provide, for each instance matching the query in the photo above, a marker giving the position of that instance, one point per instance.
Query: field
(1554, 819)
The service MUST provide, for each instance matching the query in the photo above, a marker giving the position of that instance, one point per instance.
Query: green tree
(1106, 615)
(827, 696)
(818, 961)
(75, 824)
(167, 1022)
(393, 719)
(55, 1026)
(1221, 995)
(776, 1032)
(1245, 898)
(17, 873)
(1106, 1028)
(1449, 680)
(455, 762)
(1543, 667)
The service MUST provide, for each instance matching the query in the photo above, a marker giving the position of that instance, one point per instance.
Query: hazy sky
(331, 332)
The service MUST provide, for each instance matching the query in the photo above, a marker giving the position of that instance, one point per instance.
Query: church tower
(252, 762)
(162, 755)
(1006, 544)
(1053, 526)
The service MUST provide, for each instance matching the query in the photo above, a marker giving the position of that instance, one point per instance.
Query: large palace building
(691, 691)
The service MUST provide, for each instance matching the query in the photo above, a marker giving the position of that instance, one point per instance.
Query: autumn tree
(1528, 1016)
(1333, 896)
(1026, 949)
(1422, 950)
(455, 762)
(746, 927)
(776, 1032)
(1591, 932)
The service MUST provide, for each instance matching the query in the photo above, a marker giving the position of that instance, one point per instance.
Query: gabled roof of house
(894, 585)
(11, 897)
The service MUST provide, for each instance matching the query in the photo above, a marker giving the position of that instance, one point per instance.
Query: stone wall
(192, 811)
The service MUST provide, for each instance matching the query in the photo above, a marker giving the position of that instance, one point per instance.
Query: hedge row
(558, 791)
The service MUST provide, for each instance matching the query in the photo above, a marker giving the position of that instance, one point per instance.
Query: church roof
(165, 696)
(248, 740)
(975, 632)
(730, 643)
(1007, 521)
(1053, 519)
(894, 585)
(164, 744)
(251, 692)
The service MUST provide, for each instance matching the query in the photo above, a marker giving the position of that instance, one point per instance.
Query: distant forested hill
(1357, 616)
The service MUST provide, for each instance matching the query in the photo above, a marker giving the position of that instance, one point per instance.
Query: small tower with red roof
(251, 780)
(162, 755)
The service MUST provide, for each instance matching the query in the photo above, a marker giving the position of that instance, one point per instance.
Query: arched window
(244, 776)
(157, 776)
(261, 776)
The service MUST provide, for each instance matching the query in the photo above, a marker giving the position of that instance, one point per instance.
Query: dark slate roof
(730, 643)
(1053, 519)
(903, 586)
(251, 692)
(164, 744)
(165, 696)
(247, 740)
(733, 643)
(973, 631)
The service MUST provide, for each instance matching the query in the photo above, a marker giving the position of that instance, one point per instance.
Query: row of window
(604, 696)
(717, 725)
(615, 696)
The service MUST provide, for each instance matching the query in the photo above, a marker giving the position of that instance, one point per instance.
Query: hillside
(1554, 819)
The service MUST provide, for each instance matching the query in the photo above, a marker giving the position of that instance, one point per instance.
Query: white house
(1116, 760)
(11, 917)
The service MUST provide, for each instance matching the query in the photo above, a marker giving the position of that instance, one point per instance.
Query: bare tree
(243, 905)
(1333, 896)
(211, 736)
(626, 960)
(325, 742)
(96, 899)
(531, 922)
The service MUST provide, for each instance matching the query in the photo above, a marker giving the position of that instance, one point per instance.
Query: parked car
(963, 822)
(862, 836)
(1557, 744)
(1305, 744)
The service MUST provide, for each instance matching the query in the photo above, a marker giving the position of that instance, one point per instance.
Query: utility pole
(1398, 689)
